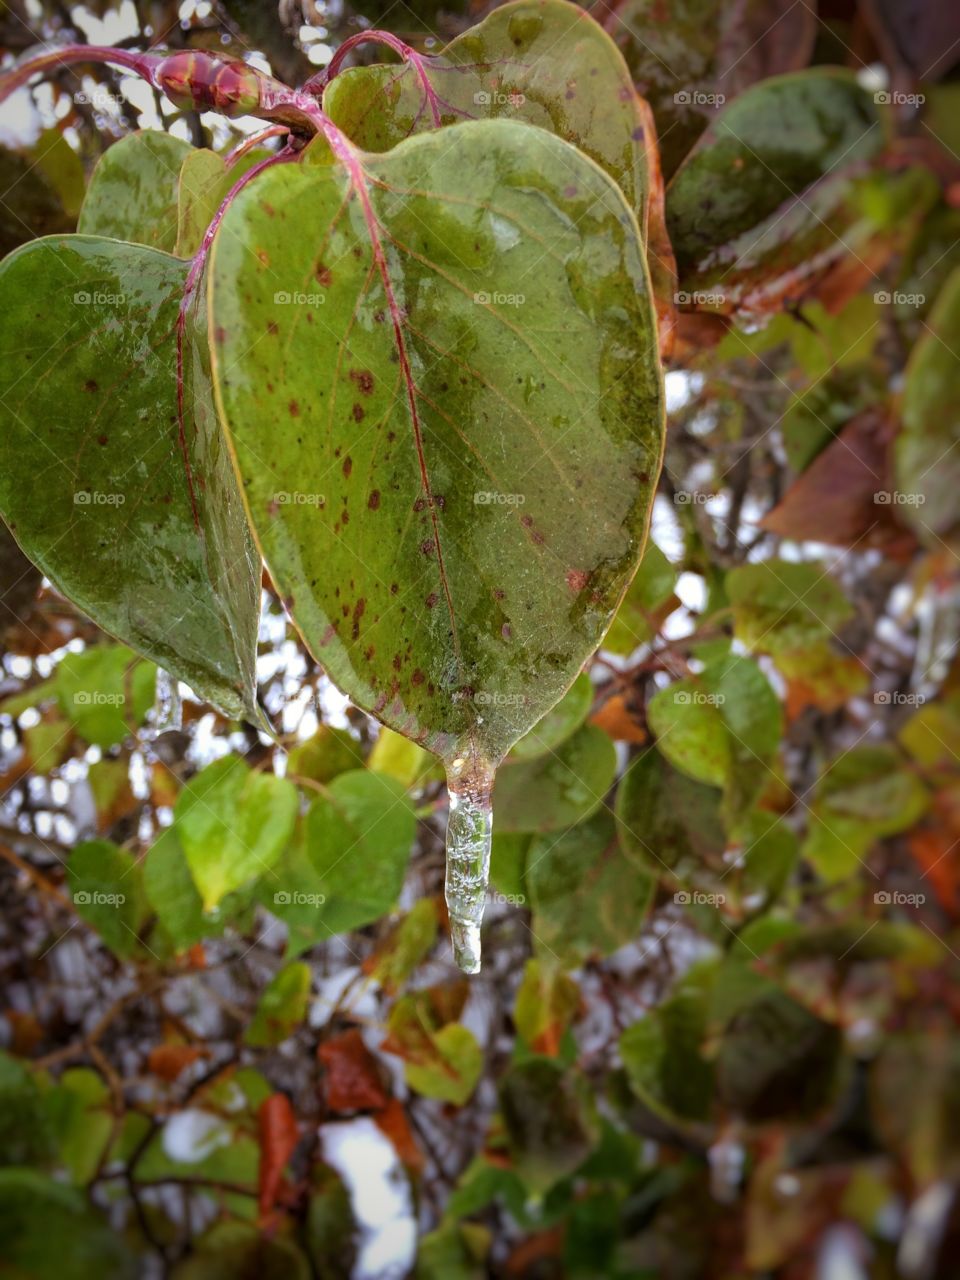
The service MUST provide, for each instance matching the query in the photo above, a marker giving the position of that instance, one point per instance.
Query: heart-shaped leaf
(93, 480)
(233, 825)
(365, 314)
(540, 62)
(134, 190)
(204, 183)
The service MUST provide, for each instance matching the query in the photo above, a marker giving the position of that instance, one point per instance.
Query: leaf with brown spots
(503, 327)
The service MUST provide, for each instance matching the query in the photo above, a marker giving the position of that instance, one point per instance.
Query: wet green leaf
(399, 758)
(559, 789)
(233, 825)
(415, 594)
(539, 62)
(234, 1249)
(442, 1058)
(329, 752)
(204, 181)
(92, 478)
(133, 192)
(173, 895)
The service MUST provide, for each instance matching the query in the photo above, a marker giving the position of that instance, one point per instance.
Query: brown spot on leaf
(358, 412)
(374, 500)
(294, 409)
(347, 466)
(358, 611)
(364, 380)
(432, 599)
(577, 579)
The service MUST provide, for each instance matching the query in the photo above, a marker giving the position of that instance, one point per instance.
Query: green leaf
(93, 481)
(399, 758)
(82, 1113)
(771, 198)
(559, 724)
(637, 618)
(173, 895)
(282, 1007)
(721, 728)
(419, 600)
(327, 753)
(46, 183)
(688, 60)
(926, 457)
(549, 1127)
(866, 794)
(233, 825)
(777, 1061)
(39, 1217)
(133, 192)
(538, 62)
(667, 821)
(664, 1057)
(409, 944)
(105, 691)
(27, 1132)
(780, 605)
(204, 182)
(547, 1002)
(557, 790)
(587, 898)
(231, 1250)
(106, 885)
(358, 839)
(441, 1059)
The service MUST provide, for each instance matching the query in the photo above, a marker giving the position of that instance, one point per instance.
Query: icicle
(469, 829)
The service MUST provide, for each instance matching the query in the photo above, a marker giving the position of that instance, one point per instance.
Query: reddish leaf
(834, 500)
(168, 1060)
(393, 1123)
(278, 1140)
(620, 720)
(921, 36)
(353, 1080)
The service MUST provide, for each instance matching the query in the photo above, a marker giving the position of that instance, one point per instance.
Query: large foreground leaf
(93, 481)
(134, 190)
(450, 539)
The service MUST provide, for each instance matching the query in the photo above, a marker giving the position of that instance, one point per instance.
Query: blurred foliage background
(716, 1029)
